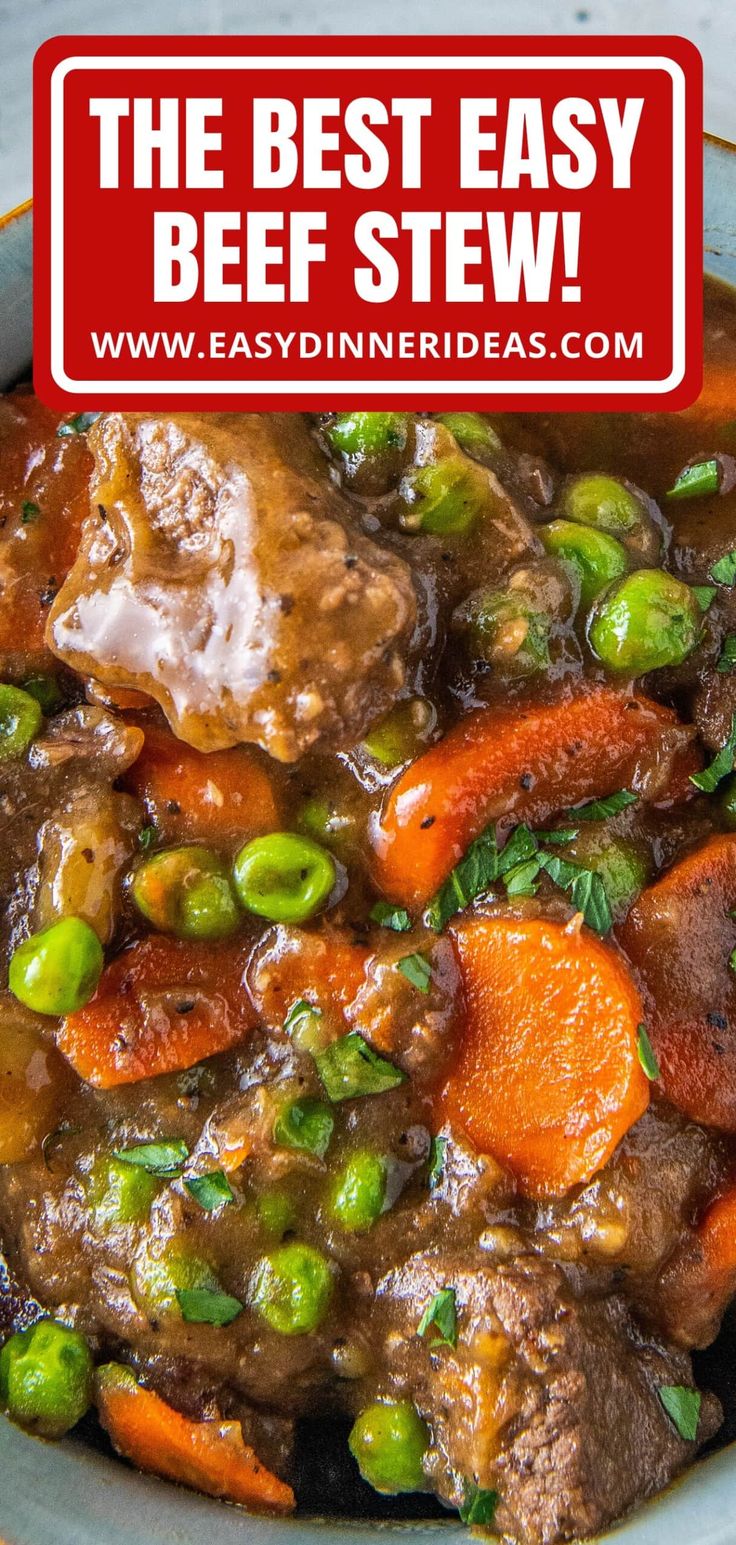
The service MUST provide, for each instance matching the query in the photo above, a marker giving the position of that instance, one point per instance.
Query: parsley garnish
(165, 1159)
(727, 661)
(478, 1506)
(722, 764)
(146, 837)
(440, 1316)
(601, 809)
(78, 425)
(350, 1068)
(587, 891)
(701, 478)
(724, 571)
(521, 880)
(206, 1306)
(518, 865)
(417, 970)
(683, 1408)
(29, 512)
(646, 1054)
(389, 916)
(704, 595)
(437, 1149)
(474, 874)
(211, 1191)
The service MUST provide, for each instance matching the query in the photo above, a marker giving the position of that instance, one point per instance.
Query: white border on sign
(380, 62)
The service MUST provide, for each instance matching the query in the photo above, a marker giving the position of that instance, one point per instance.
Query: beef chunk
(548, 1399)
(226, 578)
(67, 835)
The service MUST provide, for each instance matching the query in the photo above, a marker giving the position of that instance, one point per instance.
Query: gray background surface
(24, 24)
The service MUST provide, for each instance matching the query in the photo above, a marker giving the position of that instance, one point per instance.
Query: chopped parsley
(683, 1408)
(522, 879)
(417, 970)
(206, 1306)
(388, 916)
(701, 478)
(720, 767)
(478, 1506)
(587, 890)
(78, 425)
(704, 595)
(732, 960)
(646, 1054)
(727, 661)
(440, 1316)
(724, 571)
(601, 809)
(303, 1024)
(519, 864)
(146, 837)
(211, 1191)
(29, 512)
(472, 876)
(350, 1068)
(437, 1150)
(165, 1159)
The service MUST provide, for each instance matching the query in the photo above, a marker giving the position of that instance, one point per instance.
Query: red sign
(357, 222)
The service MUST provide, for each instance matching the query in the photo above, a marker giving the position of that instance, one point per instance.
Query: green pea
(647, 621)
(602, 502)
(46, 1378)
(283, 877)
(276, 1211)
(20, 721)
(444, 497)
(595, 557)
(120, 1193)
(305, 1124)
(402, 733)
(359, 1191)
(324, 821)
(156, 1278)
(46, 691)
(727, 802)
(506, 629)
(291, 1289)
(388, 1443)
(57, 970)
(186, 891)
(368, 434)
(472, 432)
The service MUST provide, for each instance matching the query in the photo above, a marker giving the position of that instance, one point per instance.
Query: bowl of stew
(367, 1028)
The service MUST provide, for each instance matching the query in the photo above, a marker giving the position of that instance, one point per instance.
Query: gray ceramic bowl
(67, 1494)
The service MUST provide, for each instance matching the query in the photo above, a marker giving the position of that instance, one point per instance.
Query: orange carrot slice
(700, 1280)
(215, 795)
(208, 1456)
(521, 764)
(679, 936)
(547, 1077)
(161, 1006)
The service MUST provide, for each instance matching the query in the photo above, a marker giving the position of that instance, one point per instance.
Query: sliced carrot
(547, 1077)
(161, 1006)
(218, 795)
(700, 1280)
(679, 935)
(209, 1456)
(521, 764)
